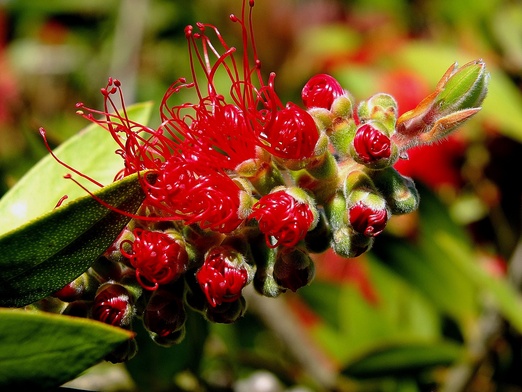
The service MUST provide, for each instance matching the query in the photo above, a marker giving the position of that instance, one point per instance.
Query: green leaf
(405, 358)
(47, 253)
(91, 151)
(42, 350)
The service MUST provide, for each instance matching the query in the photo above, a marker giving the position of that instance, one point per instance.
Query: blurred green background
(435, 304)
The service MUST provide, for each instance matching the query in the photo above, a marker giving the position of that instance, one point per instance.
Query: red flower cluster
(240, 187)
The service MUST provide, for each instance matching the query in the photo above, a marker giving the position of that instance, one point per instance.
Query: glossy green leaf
(91, 151)
(406, 358)
(45, 254)
(42, 350)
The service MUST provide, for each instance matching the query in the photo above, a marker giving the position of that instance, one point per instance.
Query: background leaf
(44, 255)
(42, 350)
(91, 151)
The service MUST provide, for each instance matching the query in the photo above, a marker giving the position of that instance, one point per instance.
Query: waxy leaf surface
(45, 254)
(43, 350)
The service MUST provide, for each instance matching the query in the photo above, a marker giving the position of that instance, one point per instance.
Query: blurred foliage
(435, 305)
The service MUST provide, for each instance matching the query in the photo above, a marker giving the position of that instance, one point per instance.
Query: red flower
(222, 276)
(157, 257)
(292, 135)
(367, 220)
(320, 91)
(113, 305)
(282, 217)
(371, 144)
(196, 193)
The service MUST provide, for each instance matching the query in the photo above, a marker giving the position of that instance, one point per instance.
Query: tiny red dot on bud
(117, 83)
(233, 18)
(79, 105)
(188, 31)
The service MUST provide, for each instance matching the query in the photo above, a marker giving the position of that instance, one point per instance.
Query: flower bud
(457, 97)
(318, 239)
(380, 107)
(285, 216)
(164, 313)
(83, 287)
(292, 135)
(113, 304)
(158, 257)
(223, 275)
(264, 258)
(368, 213)
(320, 91)
(226, 312)
(373, 147)
(399, 191)
(368, 220)
(293, 269)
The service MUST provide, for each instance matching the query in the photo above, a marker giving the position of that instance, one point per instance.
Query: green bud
(293, 268)
(323, 118)
(341, 135)
(318, 239)
(380, 107)
(399, 191)
(264, 258)
(342, 107)
(347, 243)
(458, 96)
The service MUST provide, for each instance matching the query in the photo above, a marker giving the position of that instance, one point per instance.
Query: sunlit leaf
(91, 151)
(42, 350)
(47, 253)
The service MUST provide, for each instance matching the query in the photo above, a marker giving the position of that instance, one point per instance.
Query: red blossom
(320, 91)
(112, 305)
(222, 277)
(282, 217)
(157, 257)
(292, 135)
(191, 191)
(367, 220)
(371, 144)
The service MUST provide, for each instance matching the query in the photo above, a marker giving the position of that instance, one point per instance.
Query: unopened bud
(457, 97)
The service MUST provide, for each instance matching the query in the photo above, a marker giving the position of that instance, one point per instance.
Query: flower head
(284, 218)
(223, 275)
(157, 257)
(371, 144)
(191, 191)
(292, 134)
(367, 220)
(321, 91)
(113, 305)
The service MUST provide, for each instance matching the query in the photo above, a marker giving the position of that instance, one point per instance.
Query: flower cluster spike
(242, 188)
